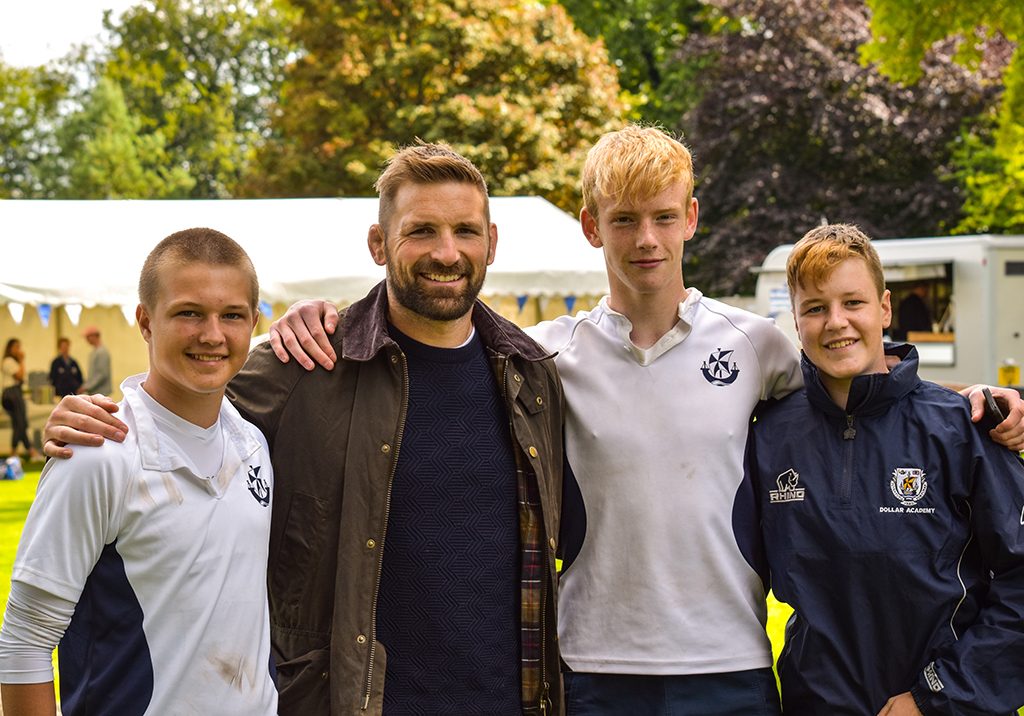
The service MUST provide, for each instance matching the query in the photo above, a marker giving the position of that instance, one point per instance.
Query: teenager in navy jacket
(892, 525)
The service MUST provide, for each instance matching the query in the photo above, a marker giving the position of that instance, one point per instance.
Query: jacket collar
(365, 334)
(869, 394)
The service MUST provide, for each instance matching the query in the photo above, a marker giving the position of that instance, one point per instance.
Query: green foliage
(200, 75)
(511, 85)
(105, 156)
(641, 37)
(29, 102)
(173, 106)
(903, 33)
(991, 171)
(791, 128)
(990, 157)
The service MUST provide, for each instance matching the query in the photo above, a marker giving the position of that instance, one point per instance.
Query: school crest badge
(258, 486)
(719, 368)
(908, 485)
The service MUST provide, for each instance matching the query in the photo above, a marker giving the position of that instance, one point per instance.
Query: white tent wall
(89, 253)
(127, 349)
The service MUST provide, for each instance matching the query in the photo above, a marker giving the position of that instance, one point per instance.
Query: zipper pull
(545, 701)
(851, 432)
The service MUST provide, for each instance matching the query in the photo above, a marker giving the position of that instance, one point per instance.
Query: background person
(13, 398)
(891, 524)
(146, 560)
(65, 375)
(914, 314)
(98, 379)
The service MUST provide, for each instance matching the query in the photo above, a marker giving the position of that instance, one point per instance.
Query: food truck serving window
(922, 309)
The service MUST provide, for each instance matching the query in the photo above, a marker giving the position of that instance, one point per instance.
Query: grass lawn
(16, 497)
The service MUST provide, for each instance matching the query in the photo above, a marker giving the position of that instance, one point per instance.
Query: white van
(972, 285)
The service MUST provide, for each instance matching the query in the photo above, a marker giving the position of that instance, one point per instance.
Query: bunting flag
(266, 309)
(44, 310)
(521, 301)
(570, 301)
(129, 314)
(17, 311)
(74, 312)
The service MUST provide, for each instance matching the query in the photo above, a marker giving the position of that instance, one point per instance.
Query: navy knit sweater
(448, 608)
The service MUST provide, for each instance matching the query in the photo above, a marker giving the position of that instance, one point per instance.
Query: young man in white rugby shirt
(146, 560)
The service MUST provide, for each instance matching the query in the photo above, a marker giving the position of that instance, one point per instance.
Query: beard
(437, 303)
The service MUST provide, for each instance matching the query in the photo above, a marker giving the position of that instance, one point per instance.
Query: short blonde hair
(635, 163)
(822, 249)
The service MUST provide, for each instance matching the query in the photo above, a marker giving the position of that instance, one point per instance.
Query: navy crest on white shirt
(258, 486)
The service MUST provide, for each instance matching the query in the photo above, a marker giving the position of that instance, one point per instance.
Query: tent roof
(91, 252)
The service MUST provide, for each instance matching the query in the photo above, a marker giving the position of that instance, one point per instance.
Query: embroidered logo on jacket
(258, 486)
(934, 682)
(788, 490)
(718, 368)
(908, 485)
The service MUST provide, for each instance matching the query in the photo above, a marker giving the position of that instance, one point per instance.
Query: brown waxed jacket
(334, 438)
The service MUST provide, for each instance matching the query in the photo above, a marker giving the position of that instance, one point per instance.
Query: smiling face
(643, 242)
(840, 321)
(437, 247)
(198, 331)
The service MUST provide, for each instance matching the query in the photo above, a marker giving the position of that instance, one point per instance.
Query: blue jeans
(737, 693)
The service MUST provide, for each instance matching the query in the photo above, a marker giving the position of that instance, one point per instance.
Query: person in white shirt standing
(99, 378)
(659, 613)
(146, 560)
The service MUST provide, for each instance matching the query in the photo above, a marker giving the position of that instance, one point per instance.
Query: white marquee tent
(66, 264)
(89, 253)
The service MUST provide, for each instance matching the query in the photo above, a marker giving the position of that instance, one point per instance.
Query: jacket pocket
(295, 559)
(304, 684)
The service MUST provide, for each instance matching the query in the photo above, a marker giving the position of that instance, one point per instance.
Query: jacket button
(517, 378)
(540, 400)
(533, 451)
(394, 359)
(323, 675)
(370, 544)
(385, 448)
(361, 639)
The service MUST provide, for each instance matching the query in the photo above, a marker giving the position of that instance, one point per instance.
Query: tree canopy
(29, 102)
(792, 129)
(788, 121)
(202, 75)
(990, 159)
(642, 37)
(513, 86)
(106, 156)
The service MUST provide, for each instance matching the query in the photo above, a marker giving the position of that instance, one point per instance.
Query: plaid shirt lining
(531, 600)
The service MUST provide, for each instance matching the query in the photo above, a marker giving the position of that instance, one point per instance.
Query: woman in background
(13, 374)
